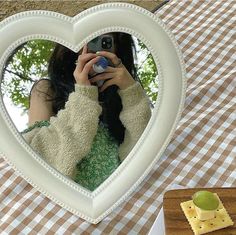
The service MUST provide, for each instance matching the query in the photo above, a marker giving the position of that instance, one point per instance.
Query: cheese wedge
(204, 214)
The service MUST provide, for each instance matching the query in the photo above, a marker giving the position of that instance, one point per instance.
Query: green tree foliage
(26, 65)
(147, 72)
(29, 63)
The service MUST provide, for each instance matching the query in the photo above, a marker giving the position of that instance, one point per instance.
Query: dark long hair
(60, 71)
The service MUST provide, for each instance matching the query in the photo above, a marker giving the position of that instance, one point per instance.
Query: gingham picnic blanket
(202, 152)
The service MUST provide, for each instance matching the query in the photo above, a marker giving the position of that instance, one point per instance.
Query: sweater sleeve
(70, 134)
(135, 115)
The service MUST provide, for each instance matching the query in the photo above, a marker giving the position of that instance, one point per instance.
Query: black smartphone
(103, 42)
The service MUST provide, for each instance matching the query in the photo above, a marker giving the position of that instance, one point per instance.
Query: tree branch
(20, 76)
(144, 61)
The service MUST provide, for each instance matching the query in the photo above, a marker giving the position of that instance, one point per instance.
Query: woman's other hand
(117, 75)
(83, 67)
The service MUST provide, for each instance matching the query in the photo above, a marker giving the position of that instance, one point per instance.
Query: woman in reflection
(83, 130)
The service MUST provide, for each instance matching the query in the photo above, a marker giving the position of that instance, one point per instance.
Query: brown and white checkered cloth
(202, 152)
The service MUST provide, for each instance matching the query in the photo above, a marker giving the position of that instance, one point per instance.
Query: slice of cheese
(220, 220)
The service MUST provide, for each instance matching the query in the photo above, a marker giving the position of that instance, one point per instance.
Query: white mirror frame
(74, 32)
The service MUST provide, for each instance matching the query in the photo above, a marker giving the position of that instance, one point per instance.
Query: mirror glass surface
(99, 153)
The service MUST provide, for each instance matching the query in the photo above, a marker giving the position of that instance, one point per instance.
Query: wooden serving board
(175, 220)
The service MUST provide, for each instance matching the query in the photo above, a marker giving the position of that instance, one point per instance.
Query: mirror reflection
(82, 112)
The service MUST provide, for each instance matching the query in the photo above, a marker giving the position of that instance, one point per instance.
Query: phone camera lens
(108, 40)
(106, 43)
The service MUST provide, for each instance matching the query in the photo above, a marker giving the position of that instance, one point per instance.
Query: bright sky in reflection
(15, 113)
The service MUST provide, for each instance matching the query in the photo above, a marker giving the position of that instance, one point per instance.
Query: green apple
(205, 200)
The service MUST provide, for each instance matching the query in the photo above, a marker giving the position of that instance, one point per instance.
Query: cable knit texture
(70, 136)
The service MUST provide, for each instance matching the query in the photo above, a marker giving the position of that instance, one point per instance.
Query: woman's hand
(117, 75)
(84, 66)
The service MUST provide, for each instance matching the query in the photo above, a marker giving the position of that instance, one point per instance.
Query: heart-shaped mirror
(111, 94)
(56, 66)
